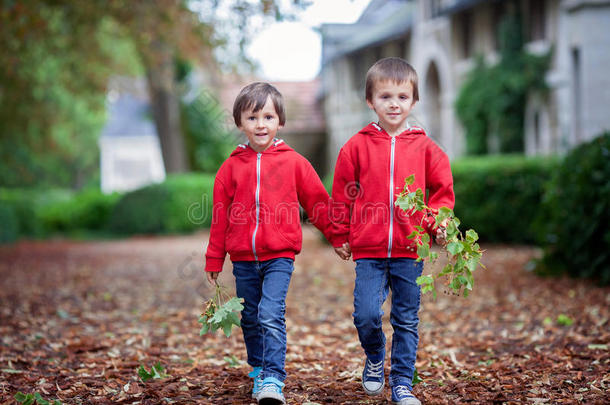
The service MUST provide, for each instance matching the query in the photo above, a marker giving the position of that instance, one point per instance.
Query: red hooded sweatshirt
(371, 170)
(256, 205)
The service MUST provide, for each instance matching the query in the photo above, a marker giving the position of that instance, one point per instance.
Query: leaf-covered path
(77, 319)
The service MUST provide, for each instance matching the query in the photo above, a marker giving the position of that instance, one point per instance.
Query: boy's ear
(368, 102)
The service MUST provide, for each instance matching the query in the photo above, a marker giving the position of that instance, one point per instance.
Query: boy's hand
(212, 276)
(441, 236)
(441, 233)
(344, 251)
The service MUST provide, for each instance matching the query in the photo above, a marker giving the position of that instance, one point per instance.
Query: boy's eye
(269, 117)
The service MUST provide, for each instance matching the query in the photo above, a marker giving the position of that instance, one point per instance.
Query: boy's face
(393, 103)
(261, 126)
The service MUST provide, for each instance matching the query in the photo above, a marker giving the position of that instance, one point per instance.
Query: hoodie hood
(278, 145)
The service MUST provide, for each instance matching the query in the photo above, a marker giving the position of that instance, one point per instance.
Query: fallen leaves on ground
(79, 318)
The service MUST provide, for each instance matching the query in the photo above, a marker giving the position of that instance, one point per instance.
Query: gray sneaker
(271, 392)
(402, 395)
(373, 379)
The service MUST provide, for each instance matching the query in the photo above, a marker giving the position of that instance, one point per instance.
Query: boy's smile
(393, 103)
(260, 127)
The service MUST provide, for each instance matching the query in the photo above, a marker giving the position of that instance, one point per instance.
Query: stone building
(441, 38)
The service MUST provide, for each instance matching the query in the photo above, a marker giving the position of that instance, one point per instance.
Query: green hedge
(9, 231)
(85, 210)
(39, 213)
(499, 195)
(576, 212)
(182, 203)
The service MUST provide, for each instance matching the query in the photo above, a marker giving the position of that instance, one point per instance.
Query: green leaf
(144, 375)
(412, 235)
(410, 180)
(423, 250)
(472, 263)
(564, 320)
(424, 280)
(471, 235)
(416, 379)
(234, 304)
(446, 270)
(40, 400)
(454, 248)
(20, 396)
(204, 329)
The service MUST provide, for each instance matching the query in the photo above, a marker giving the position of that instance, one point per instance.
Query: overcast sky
(290, 51)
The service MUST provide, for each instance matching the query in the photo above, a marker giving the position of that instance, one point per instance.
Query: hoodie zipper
(258, 207)
(391, 232)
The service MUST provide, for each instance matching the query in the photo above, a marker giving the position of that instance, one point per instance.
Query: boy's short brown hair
(392, 69)
(255, 96)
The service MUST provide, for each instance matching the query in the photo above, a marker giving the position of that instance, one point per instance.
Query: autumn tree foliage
(57, 57)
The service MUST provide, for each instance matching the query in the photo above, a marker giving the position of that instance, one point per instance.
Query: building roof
(381, 21)
(303, 108)
(455, 6)
(128, 109)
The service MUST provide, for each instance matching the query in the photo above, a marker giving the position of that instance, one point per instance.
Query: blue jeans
(263, 286)
(374, 279)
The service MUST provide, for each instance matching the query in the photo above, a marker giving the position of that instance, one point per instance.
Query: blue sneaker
(402, 395)
(258, 381)
(271, 392)
(372, 375)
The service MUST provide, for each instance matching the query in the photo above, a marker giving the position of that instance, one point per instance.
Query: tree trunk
(160, 73)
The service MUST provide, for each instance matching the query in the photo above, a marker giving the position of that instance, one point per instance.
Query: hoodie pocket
(369, 225)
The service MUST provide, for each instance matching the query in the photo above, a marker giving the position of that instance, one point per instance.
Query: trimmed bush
(499, 195)
(576, 212)
(9, 230)
(182, 203)
(23, 207)
(86, 210)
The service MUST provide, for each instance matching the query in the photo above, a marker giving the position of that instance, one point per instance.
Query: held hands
(344, 251)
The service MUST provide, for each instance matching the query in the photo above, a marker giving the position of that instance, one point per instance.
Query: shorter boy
(256, 220)
(377, 160)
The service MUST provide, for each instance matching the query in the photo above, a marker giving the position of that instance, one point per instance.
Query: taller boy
(371, 169)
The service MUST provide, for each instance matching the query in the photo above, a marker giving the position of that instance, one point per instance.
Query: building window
(498, 13)
(576, 96)
(432, 8)
(537, 20)
(359, 69)
(465, 21)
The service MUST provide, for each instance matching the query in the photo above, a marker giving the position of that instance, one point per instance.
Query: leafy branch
(463, 253)
(220, 312)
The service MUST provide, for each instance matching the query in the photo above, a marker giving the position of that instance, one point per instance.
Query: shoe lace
(374, 369)
(271, 387)
(402, 391)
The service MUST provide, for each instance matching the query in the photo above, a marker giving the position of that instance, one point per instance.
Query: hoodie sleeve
(439, 182)
(216, 252)
(314, 198)
(342, 199)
